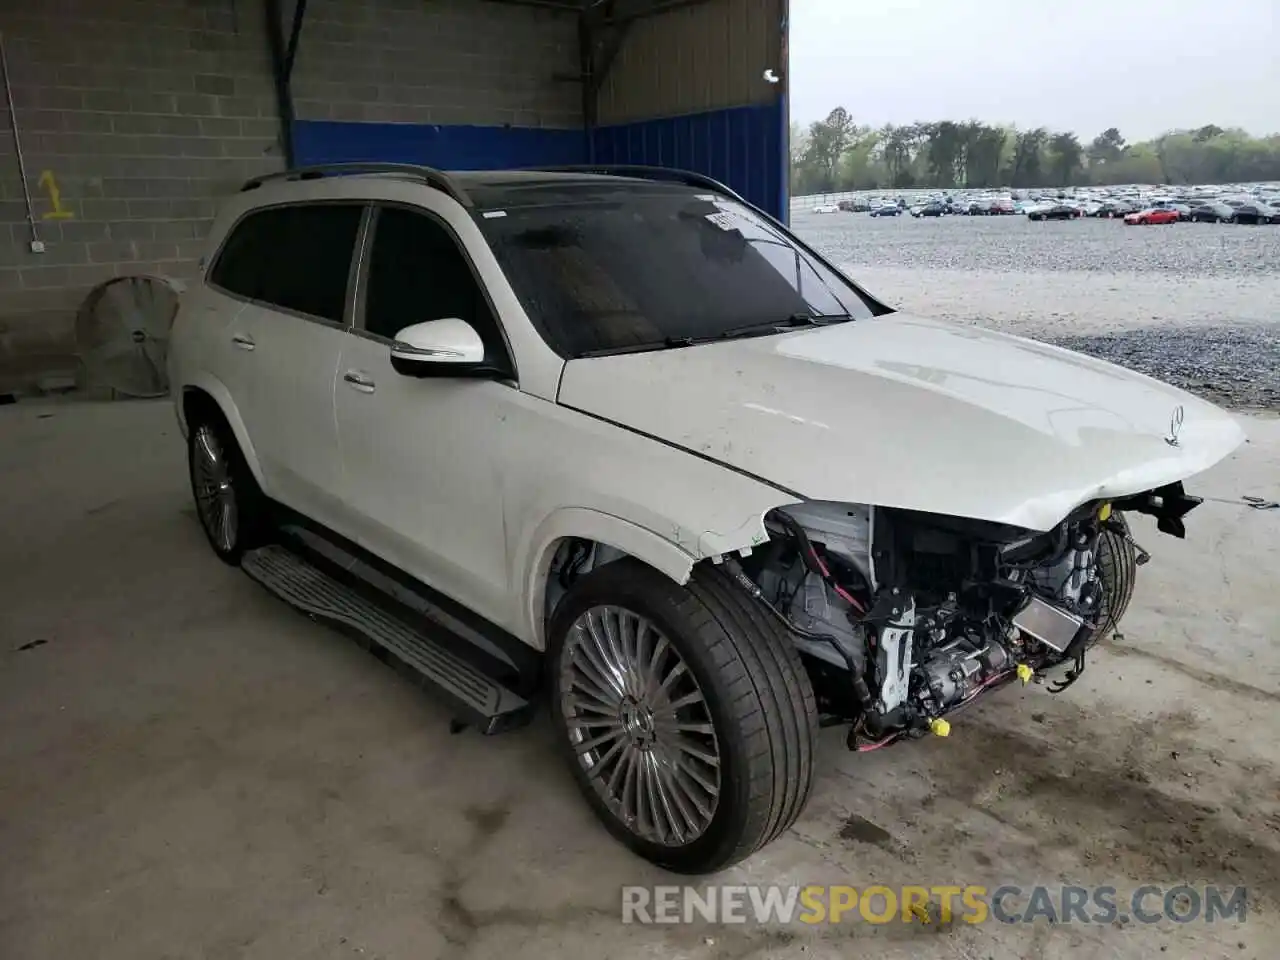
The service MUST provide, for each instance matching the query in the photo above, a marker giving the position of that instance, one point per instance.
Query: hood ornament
(1175, 426)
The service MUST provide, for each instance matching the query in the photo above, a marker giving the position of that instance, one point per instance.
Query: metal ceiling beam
(561, 6)
(606, 39)
(283, 53)
(295, 33)
(626, 11)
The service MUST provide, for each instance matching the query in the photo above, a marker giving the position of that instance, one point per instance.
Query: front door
(420, 456)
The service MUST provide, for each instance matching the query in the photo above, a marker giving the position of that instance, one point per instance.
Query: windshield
(629, 270)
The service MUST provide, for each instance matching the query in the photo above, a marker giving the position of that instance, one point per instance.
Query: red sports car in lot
(1151, 216)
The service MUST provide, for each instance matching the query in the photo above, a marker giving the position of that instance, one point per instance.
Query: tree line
(838, 154)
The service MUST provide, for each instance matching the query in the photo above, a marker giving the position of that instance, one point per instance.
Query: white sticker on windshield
(725, 220)
(493, 214)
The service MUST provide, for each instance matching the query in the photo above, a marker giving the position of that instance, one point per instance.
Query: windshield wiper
(733, 333)
(781, 326)
(666, 343)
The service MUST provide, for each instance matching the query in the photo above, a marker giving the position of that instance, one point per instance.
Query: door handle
(360, 381)
(243, 341)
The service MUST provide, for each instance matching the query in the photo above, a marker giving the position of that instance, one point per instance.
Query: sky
(1144, 66)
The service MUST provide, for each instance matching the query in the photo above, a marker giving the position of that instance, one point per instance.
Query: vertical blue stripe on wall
(784, 160)
(743, 147)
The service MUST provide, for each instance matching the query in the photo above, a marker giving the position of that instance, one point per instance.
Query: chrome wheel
(214, 492)
(639, 725)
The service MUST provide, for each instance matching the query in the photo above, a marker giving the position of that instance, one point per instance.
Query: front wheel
(684, 712)
(1117, 572)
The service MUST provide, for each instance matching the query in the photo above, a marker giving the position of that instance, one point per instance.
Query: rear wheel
(684, 712)
(229, 503)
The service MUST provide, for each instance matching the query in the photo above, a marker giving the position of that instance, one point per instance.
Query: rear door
(291, 265)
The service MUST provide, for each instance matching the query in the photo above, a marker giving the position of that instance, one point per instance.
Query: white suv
(617, 437)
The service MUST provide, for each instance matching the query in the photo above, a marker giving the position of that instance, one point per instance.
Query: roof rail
(643, 172)
(428, 175)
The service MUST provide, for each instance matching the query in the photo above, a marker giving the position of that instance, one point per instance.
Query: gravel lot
(1195, 304)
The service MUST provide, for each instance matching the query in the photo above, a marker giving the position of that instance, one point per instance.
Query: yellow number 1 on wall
(59, 212)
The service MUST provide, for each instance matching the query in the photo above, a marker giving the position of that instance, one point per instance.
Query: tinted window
(629, 269)
(296, 257)
(417, 273)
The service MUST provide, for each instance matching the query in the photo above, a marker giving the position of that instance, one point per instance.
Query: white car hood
(906, 412)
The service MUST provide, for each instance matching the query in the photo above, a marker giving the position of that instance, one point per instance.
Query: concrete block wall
(141, 113)
(146, 112)
(438, 62)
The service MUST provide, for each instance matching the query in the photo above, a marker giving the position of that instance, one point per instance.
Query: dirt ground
(189, 768)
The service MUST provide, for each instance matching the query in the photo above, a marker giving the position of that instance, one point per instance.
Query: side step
(480, 700)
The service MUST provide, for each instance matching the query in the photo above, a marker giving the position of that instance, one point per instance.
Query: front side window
(417, 272)
(295, 257)
(629, 269)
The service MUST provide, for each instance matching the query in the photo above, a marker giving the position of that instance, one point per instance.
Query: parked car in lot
(1183, 210)
(933, 209)
(1054, 211)
(888, 210)
(1151, 215)
(1255, 212)
(854, 206)
(1110, 209)
(1212, 212)
(614, 439)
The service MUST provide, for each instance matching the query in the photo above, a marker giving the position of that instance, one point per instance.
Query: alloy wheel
(214, 491)
(639, 725)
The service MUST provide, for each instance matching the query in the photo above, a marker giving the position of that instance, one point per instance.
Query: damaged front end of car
(904, 617)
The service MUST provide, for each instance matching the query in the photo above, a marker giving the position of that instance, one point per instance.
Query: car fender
(672, 551)
(631, 538)
(207, 383)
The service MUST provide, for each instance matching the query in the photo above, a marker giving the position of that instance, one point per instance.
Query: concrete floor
(189, 768)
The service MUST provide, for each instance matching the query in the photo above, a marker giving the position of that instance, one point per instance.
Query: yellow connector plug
(1025, 673)
(939, 727)
(1104, 512)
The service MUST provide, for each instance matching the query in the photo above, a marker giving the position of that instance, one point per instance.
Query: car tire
(749, 705)
(229, 503)
(1117, 572)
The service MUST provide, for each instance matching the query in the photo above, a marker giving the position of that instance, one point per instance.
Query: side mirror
(440, 348)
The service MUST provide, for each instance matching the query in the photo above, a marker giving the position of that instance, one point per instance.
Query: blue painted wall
(744, 147)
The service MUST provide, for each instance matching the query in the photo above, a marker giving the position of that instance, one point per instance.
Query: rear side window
(295, 257)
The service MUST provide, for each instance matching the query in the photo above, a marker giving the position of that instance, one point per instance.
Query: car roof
(502, 189)
(484, 189)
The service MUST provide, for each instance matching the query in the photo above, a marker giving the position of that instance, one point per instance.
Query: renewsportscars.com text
(1007, 903)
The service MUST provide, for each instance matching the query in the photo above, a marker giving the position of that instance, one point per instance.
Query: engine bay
(903, 617)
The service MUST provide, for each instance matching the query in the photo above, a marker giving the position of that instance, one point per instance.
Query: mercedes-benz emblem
(1175, 426)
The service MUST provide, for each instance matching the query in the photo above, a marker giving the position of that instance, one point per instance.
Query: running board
(480, 700)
